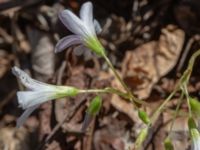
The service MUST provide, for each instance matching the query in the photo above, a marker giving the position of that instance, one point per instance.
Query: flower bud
(140, 139)
(168, 144)
(91, 112)
(195, 106)
(191, 123)
(143, 116)
(94, 106)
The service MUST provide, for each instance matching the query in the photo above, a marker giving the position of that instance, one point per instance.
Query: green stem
(116, 74)
(93, 91)
(193, 58)
(176, 113)
(118, 92)
(188, 71)
(110, 90)
(184, 89)
(106, 90)
(131, 96)
(158, 111)
(183, 81)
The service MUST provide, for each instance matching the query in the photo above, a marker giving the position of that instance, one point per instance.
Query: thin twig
(186, 51)
(7, 99)
(66, 118)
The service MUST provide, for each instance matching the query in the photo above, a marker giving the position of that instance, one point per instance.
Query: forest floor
(149, 42)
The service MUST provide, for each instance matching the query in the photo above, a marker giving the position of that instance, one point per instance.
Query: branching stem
(131, 96)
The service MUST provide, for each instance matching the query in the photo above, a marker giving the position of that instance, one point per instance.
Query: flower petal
(67, 42)
(29, 82)
(25, 115)
(86, 14)
(28, 99)
(195, 135)
(97, 26)
(196, 144)
(73, 23)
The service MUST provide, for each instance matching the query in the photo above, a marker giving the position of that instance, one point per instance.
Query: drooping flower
(84, 29)
(37, 93)
(195, 139)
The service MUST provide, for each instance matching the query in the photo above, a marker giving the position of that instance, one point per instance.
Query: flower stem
(182, 84)
(185, 91)
(131, 96)
(93, 91)
(116, 74)
(105, 90)
(158, 111)
(193, 58)
(176, 113)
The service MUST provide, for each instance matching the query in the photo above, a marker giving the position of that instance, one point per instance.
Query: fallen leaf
(144, 66)
(14, 139)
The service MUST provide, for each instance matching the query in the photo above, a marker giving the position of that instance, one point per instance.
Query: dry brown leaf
(14, 139)
(109, 138)
(187, 16)
(179, 134)
(125, 107)
(144, 66)
(42, 54)
(5, 62)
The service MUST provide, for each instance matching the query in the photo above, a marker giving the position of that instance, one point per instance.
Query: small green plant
(85, 29)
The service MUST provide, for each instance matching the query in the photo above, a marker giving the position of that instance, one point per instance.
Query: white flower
(38, 93)
(84, 28)
(195, 139)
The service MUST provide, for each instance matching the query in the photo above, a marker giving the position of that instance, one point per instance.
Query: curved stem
(193, 58)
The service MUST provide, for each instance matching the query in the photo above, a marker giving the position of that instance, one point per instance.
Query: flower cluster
(85, 29)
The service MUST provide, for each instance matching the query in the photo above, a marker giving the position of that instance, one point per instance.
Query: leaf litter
(144, 45)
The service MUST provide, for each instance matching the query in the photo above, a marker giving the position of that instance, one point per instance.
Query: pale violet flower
(37, 93)
(84, 29)
(195, 139)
